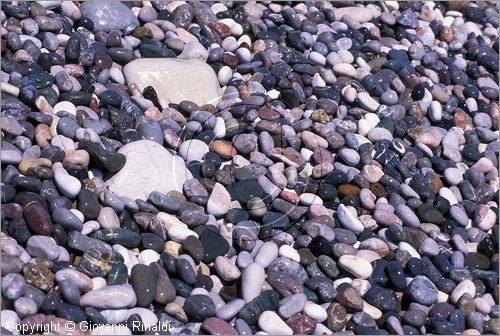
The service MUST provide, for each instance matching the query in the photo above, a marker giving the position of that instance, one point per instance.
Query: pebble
(173, 72)
(271, 323)
(357, 266)
(139, 152)
(110, 297)
(118, 16)
(422, 290)
(252, 280)
(251, 168)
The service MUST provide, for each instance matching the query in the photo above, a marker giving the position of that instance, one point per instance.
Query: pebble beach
(249, 168)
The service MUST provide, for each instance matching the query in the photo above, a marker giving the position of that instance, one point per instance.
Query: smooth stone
(143, 281)
(118, 275)
(271, 323)
(292, 304)
(98, 263)
(217, 326)
(214, 245)
(199, 307)
(167, 77)
(118, 235)
(110, 297)
(357, 266)
(337, 318)
(42, 246)
(252, 280)
(194, 51)
(267, 253)
(25, 306)
(429, 247)
(328, 265)
(68, 185)
(359, 14)
(348, 220)
(108, 219)
(82, 281)
(109, 15)
(165, 290)
(422, 290)
(349, 297)
(193, 150)
(37, 273)
(82, 243)
(146, 162)
(466, 286)
(185, 271)
(38, 218)
(219, 202)
(9, 320)
(382, 298)
(13, 286)
(88, 204)
(226, 269)
(230, 309)
(315, 311)
(290, 266)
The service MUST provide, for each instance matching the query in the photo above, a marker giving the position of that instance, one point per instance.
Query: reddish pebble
(301, 324)
(38, 218)
(216, 326)
(221, 28)
(224, 148)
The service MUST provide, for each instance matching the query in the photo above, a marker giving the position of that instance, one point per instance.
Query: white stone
(252, 281)
(466, 286)
(117, 75)
(9, 320)
(360, 14)
(219, 202)
(108, 218)
(271, 323)
(367, 102)
(322, 329)
(179, 233)
(315, 311)
(65, 106)
(267, 253)
(193, 150)
(149, 167)
(225, 74)
(110, 297)
(448, 194)
(348, 220)
(114, 316)
(226, 269)
(357, 266)
(170, 220)
(344, 69)
(219, 128)
(98, 283)
(69, 185)
(309, 198)
(194, 51)
(404, 246)
(175, 80)
(290, 252)
(148, 257)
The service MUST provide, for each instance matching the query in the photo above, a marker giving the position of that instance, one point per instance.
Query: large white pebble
(271, 323)
(70, 186)
(357, 266)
